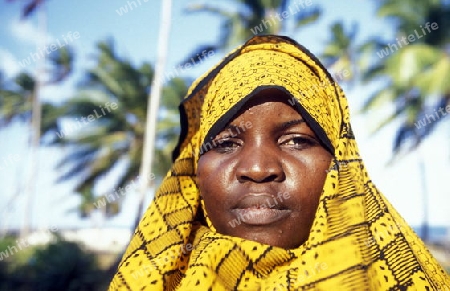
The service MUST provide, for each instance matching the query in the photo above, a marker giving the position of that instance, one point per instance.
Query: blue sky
(135, 35)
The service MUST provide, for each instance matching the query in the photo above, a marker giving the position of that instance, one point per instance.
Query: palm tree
(154, 97)
(29, 8)
(342, 55)
(103, 128)
(416, 70)
(253, 17)
(115, 141)
(16, 101)
(17, 98)
(416, 74)
(27, 11)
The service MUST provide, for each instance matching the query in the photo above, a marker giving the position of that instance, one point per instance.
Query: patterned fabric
(358, 241)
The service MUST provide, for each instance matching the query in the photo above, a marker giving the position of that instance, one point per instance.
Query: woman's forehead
(267, 97)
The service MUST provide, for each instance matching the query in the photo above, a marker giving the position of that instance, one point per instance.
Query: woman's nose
(259, 165)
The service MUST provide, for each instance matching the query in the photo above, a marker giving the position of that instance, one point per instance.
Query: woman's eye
(299, 142)
(225, 145)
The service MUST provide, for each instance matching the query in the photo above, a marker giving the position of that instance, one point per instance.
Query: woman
(268, 190)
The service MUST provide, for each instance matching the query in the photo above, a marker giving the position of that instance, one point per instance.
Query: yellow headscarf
(357, 241)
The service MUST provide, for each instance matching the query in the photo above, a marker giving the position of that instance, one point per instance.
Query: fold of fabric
(358, 241)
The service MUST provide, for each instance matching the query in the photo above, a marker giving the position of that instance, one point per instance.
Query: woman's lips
(260, 216)
(260, 209)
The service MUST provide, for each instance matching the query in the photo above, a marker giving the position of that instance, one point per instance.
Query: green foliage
(60, 265)
(414, 76)
(239, 22)
(417, 74)
(113, 140)
(16, 97)
(61, 62)
(341, 52)
(6, 241)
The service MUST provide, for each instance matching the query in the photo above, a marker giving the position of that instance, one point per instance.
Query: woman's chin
(273, 237)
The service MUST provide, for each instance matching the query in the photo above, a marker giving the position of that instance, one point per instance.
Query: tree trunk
(30, 187)
(152, 114)
(153, 106)
(424, 232)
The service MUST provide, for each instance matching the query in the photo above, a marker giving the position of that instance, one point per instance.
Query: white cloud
(8, 63)
(57, 93)
(29, 33)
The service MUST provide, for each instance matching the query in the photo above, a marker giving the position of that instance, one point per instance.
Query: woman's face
(264, 176)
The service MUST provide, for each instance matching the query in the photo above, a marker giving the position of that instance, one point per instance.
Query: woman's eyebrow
(232, 129)
(290, 123)
(236, 129)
